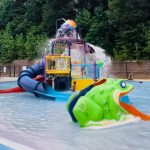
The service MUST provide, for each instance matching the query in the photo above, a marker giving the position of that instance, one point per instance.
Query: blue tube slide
(26, 81)
(40, 89)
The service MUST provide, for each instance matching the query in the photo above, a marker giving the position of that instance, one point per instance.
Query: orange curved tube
(132, 110)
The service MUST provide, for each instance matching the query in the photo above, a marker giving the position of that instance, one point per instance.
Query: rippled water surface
(45, 125)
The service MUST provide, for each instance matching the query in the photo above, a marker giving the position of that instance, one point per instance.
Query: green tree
(100, 30)
(7, 50)
(84, 20)
(33, 43)
(146, 51)
(122, 27)
(90, 5)
(128, 20)
(20, 46)
(6, 13)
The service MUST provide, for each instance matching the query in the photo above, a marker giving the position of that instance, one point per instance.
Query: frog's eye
(122, 84)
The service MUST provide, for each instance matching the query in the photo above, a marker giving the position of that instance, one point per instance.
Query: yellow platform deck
(80, 84)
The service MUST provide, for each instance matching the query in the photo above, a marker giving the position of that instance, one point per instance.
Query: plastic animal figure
(100, 101)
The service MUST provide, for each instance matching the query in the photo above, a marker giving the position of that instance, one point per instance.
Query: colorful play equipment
(103, 100)
(70, 65)
(70, 62)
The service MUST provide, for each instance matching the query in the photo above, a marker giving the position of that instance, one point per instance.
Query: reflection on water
(44, 124)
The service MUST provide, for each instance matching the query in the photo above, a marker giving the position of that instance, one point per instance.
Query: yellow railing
(57, 64)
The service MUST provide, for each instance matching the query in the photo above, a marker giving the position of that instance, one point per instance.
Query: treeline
(121, 27)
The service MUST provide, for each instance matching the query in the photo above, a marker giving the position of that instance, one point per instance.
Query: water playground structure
(70, 66)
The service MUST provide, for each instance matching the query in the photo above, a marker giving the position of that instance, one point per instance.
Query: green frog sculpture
(102, 101)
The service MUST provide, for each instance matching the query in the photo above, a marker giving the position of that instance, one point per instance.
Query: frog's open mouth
(122, 95)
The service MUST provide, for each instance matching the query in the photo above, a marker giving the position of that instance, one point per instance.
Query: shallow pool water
(44, 125)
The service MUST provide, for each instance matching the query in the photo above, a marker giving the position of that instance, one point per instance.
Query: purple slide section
(26, 81)
(40, 89)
